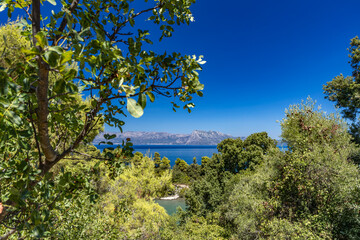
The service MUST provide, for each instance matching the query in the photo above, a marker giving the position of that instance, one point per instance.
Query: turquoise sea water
(171, 205)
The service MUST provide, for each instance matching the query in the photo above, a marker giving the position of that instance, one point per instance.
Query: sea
(172, 152)
(172, 205)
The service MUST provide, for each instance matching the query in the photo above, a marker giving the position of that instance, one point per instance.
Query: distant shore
(176, 196)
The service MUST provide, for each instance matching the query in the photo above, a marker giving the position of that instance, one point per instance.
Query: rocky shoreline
(176, 196)
(173, 197)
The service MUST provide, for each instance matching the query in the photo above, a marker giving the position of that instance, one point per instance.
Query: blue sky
(261, 57)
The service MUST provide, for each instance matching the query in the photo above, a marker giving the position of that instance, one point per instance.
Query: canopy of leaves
(125, 208)
(310, 191)
(236, 157)
(345, 91)
(98, 50)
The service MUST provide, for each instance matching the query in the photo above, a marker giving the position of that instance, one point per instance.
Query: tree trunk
(42, 90)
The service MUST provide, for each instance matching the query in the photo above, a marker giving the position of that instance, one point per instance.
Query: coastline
(176, 196)
(173, 197)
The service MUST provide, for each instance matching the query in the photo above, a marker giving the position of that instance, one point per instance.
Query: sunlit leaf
(134, 108)
(41, 39)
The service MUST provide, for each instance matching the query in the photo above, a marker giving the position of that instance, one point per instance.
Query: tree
(240, 155)
(218, 174)
(344, 91)
(136, 160)
(89, 48)
(180, 171)
(193, 170)
(125, 209)
(309, 192)
(231, 151)
(157, 162)
(165, 164)
(195, 228)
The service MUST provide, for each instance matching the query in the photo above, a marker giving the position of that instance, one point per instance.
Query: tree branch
(26, 10)
(86, 155)
(88, 122)
(64, 21)
(141, 12)
(7, 235)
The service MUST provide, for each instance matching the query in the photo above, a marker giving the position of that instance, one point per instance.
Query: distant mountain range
(197, 137)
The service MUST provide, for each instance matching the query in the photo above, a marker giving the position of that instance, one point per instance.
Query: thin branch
(7, 235)
(35, 135)
(64, 21)
(26, 10)
(161, 93)
(89, 156)
(60, 139)
(141, 12)
(7, 226)
(113, 35)
(96, 122)
(59, 95)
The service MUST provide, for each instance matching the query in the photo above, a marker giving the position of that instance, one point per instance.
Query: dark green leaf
(151, 96)
(142, 100)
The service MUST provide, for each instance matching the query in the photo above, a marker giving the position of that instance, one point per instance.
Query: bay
(171, 205)
(172, 152)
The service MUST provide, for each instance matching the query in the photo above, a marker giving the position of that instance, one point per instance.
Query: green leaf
(14, 118)
(134, 108)
(57, 49)
(51, 58)
(59, 86)
(30, 52)
(100, 34)
(5, 39)
(131, 21)
(199, 87)
(108, 136)
(142, 100)
(65, 57)
(52, 2)
(151, 96)
(41, 39)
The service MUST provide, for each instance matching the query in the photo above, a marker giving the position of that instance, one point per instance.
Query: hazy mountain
(197, 137)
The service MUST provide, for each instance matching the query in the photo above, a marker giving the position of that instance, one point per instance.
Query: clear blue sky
(261, 57)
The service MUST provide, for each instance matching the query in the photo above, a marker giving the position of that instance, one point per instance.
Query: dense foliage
(125, 208)
(344, 91)
(63, 79)
(100, 51)
(310, 191)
